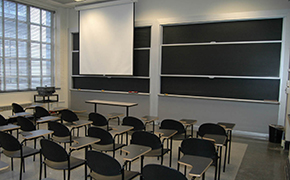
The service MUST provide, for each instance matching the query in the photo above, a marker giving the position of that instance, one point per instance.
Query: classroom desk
(229, 128)
(78, 124)
(119, 130)
(112, 103)
(10, 127)
(32, 106)
(36, 134)
(135, 151)
(115, 115)
(45, 119)
(198, 164)
(83, 142)
(150, 119)
(167, 134)
(187, 123)
(3, 165)
(220, 140)
(58, 109)
(19, 114)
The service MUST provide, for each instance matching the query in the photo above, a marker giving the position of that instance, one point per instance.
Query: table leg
(192, 131)
(142, 159)
(220, 162)
(230, 144)
(170, 152)
(95, 107)
(127, 111)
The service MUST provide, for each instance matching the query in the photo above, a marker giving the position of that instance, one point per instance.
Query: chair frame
(68, 155)
(147, 135)
(19, 148)
(97, 129)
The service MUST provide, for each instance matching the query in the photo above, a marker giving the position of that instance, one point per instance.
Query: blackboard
(252, 30)
(141, 63)
(226, 60)
(75, 63)
(142, 37)
(111, 84)
(255, 89)
(235, 59)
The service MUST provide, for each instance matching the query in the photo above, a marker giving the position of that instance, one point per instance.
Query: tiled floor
(262, 160)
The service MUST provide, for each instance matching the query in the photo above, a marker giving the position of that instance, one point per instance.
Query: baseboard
(253, 135)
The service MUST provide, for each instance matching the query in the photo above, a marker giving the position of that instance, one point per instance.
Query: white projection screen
(106, 39)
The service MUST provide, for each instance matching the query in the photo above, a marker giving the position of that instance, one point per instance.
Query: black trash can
(275, 133)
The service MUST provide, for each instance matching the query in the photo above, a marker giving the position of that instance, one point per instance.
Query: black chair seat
(159, 172)
(108, 147)
(74, 162)
(27, 151)
(127, 175)
(156, 152)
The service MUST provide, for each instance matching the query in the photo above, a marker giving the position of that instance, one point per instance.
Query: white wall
(251, 118)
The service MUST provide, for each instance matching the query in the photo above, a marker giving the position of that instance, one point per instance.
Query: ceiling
(70, 3)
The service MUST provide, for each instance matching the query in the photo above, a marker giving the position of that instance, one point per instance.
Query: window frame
(44, 47)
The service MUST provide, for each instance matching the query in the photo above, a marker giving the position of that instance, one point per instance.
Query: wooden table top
(9, 127)
(84, 141)
(47, 119)
(37, 133)
(218, 139)
(112, 103)
(120, 129)
(199, 164)
(227, 126)
(20, 114)
(165, 133)
(32, 106)
(149, 119)
(134, 151)
(79, 123)
(188, 121)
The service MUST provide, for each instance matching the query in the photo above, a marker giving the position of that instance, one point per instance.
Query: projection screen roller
(106, 40)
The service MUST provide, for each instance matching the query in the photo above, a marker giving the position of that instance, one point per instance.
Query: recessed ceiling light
(79, 0)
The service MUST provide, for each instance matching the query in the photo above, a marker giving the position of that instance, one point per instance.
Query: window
(26, 47)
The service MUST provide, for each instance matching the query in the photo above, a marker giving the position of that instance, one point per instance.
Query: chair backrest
(98, 119)
(146, 139)
(160, 172)
(58, 129)
(135, 122)
(198, 147)
(103, 164)
(53, 151)
(68, 115)
(9, 142)
(25, 124)
(17, 108)
(105, 136)
(172, 124)
(211, 128)
(3, 121)
(40, 112)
